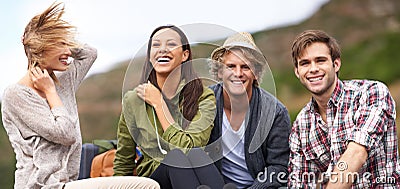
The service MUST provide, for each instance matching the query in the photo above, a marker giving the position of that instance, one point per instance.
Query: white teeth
(163, 60)
(70, 59)
(237, 82)
(67, 60)
(315, 79)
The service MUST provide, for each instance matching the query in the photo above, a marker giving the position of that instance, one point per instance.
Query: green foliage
(287, 77)
(7, 159)
(7, 171)
(376, 58)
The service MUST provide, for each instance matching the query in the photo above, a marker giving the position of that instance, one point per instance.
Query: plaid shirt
(359, 110)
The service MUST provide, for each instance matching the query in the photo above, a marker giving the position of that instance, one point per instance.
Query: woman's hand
(150, 94)
(42, 81)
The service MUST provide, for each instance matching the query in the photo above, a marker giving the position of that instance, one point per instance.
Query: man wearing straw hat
(249, 141)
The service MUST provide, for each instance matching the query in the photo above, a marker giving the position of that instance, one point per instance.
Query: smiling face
(56, 59)
(316, 70)
(166, 51)
(237, 74)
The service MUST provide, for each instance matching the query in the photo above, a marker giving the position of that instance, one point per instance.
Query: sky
(120, 28)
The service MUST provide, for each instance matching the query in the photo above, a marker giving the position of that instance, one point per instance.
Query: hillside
(368, 32)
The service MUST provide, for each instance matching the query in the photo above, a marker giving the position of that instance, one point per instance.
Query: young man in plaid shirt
(345, 137)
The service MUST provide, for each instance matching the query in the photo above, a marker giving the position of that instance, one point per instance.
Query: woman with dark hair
(176, 57)
(168, 114)
(192, 89)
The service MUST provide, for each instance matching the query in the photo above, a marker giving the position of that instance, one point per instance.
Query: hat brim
(216, 51)
(225, 48)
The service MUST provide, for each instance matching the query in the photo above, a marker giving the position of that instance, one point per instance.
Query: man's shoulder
(305, 112)
(362, 85)
(266, 94)
(267, 98)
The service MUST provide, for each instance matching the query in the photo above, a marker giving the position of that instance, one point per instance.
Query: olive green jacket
(136, 128)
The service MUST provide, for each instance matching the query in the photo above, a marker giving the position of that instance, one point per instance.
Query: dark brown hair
(308, 37)
(193, 88)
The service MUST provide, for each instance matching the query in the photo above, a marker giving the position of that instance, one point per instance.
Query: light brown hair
(46, 31)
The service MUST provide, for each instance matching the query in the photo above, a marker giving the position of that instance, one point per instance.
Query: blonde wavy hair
(258, 67)
(46, 31)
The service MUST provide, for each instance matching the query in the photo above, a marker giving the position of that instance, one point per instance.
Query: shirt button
(217, 148)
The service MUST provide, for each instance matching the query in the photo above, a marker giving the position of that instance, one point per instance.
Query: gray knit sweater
(47, 142)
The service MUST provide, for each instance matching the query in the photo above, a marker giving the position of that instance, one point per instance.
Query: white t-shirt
(234, 168)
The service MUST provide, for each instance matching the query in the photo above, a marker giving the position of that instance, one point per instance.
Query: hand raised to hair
(150, 94)
(42, 81)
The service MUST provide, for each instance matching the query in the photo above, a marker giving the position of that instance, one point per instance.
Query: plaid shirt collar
(334, 100)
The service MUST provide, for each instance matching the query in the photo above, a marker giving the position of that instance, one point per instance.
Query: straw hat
(241, 39)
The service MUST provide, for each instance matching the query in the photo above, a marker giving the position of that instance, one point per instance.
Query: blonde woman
(40, 114)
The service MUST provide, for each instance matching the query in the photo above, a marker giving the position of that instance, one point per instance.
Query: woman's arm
(26, 109)
(124, 161)
(198, 132)
(149, 93)
(84, 57)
